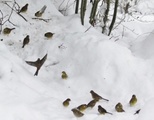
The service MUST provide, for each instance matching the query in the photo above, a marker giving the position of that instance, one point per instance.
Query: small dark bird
(24, 8)
(137, 112)
(66, 102)
(82, 107)
(64, 75)
(26, 41)
(96, 96)
(119, 107)
(7, 30)
(48, 35)
(101, 110)
(92, 103)
(40, 12)
(38, 63)
(77, 113)
(133, 100)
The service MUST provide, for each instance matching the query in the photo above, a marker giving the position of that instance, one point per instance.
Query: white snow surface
(91, 60)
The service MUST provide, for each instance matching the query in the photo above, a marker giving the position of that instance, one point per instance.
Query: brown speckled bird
(77, 113)
(40, 12)
(7, 30)
(26, 41)
(101, 110)
(133, 100)
(96, 96)
(82, 107)
(64, 75)
(38, 63)
(48, 35)
(119, 107)
(66, 102)
(92, 103)
(24, 8)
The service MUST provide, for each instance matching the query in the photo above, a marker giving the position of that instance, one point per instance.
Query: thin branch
(45, 20)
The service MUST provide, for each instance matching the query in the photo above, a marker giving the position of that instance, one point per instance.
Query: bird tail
(43, 9)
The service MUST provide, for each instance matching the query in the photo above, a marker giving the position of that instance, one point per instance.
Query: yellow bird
(40, 12)
(133, 100)
(7, 30)
(77, 113)
(96, 96)
(66, 102)
(64, 75)
(119, 107)
(48, 35)
(82, 107)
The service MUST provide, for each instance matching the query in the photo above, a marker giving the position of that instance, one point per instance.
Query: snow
(114, 69)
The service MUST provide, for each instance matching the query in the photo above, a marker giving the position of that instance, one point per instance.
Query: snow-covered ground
(115, 69)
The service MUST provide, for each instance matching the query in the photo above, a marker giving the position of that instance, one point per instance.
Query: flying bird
(38, 63)
(137, 112)
(96, 96)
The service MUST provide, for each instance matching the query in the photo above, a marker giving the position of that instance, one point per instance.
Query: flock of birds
(78, 111)
(39, 62)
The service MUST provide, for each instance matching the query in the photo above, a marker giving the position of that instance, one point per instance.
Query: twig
(88, 29)
(45, 20)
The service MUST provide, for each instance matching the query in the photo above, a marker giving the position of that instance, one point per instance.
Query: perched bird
(133, 100)
(77, 113)
(26, 41)
(82, 107)
(24, 8)
(48, 35)
(38, 63)
(119, 107)
(137, 112)
(101, 110)
(96, 96)
(40, 12)
(64, 75)
(92, 103)
(66, 102)
(7, 30)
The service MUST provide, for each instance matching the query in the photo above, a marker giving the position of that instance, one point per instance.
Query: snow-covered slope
(90, 59)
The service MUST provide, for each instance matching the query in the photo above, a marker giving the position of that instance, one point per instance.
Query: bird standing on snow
(119, 107)
(66, 102)
(25, 41)
(40, 12)
(48, 35)
(101, 110)
(77, 113)
(96, 96)
(92, 103)
(24, 8)
(64, 75)
(7, 30)
(82, 107)
(133, 100)
(38, 63)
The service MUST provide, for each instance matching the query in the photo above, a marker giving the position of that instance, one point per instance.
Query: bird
(48, 35)
(26, 41)
(133, 100)
(101, 110)
(82, 107)
(64, 75)
(77, 113)
(137, 112)
(119, 107)
(92, 103)
(7, 30)
(40, 12)
(66, 102)
(38, 63)
(96, 96)
(24, 8)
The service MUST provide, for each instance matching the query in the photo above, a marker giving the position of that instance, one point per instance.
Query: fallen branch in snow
(45, 20)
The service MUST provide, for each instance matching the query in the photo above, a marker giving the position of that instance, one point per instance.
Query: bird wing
(33, 63)
(43, 59)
